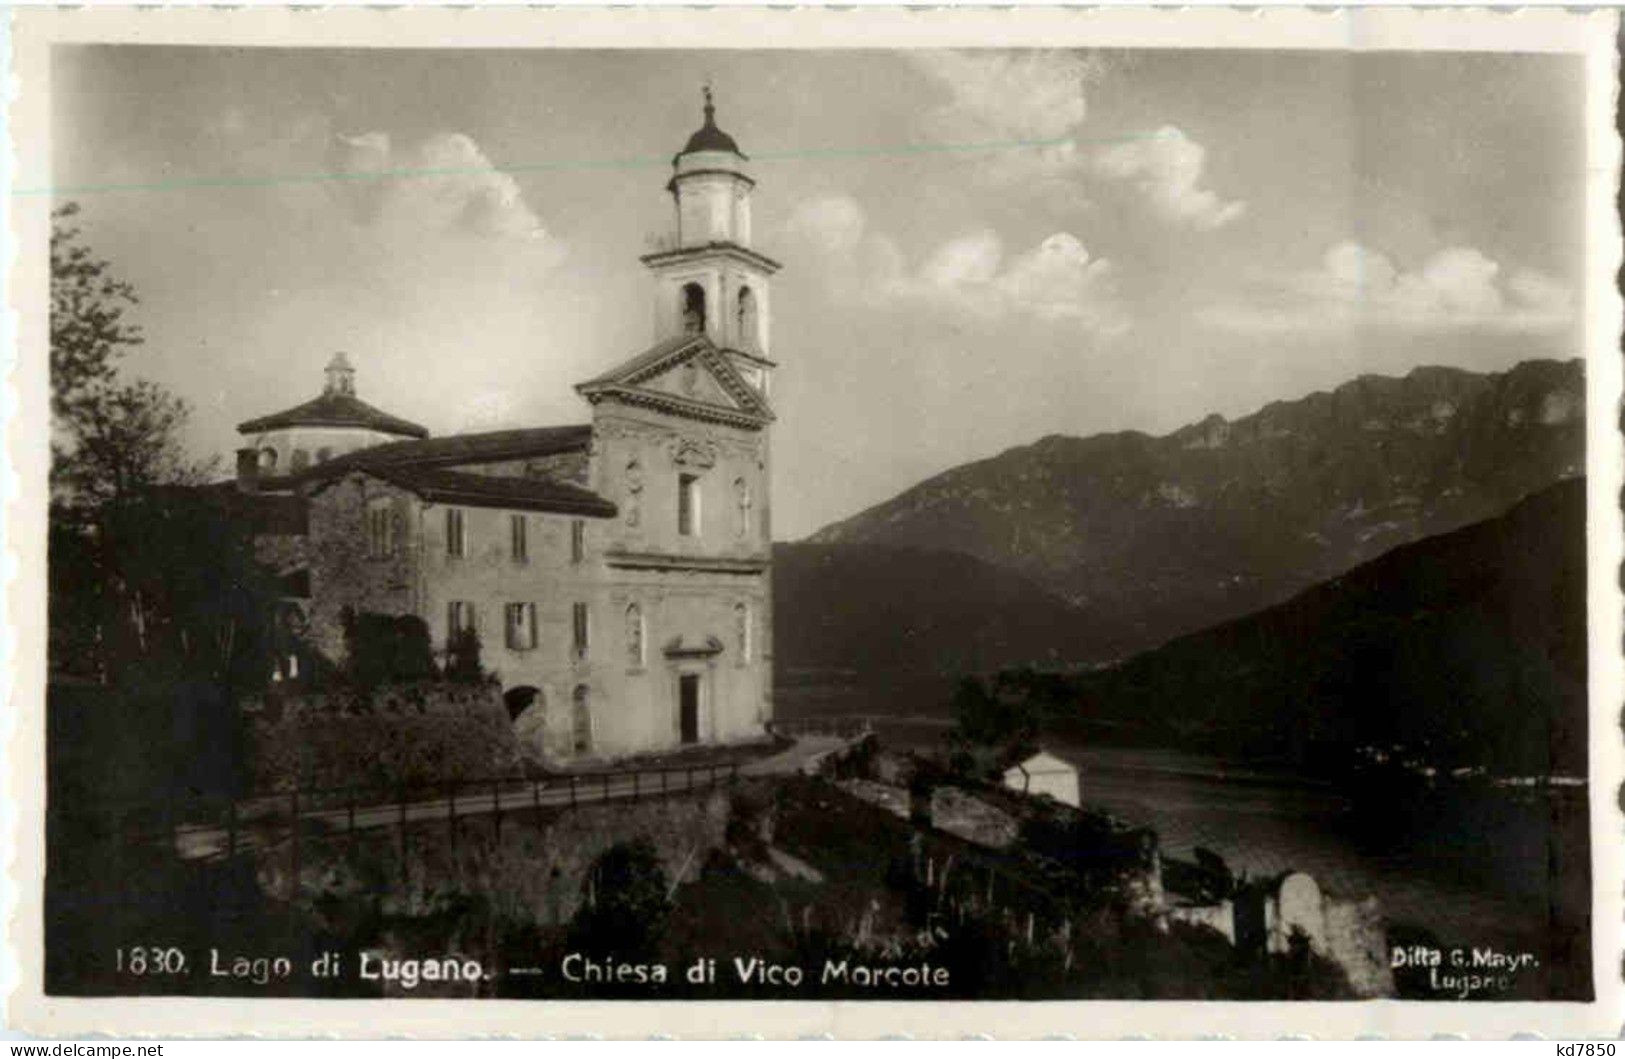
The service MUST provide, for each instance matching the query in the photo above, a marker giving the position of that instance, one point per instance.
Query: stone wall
(343, 573)
(1350, 933)
(1357, 941)
(529, 865)
(419, 733)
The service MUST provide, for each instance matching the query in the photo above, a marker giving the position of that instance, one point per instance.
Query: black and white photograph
(809, 523)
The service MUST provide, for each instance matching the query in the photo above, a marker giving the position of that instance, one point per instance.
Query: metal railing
(850, 727)
(204, 827)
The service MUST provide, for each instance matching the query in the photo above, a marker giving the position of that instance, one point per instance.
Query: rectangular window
(688, 505)
(456, 542)
(519, 530)
(380, 530)
(578, 540)
(459, 618)
(578, 614)
(521, 626)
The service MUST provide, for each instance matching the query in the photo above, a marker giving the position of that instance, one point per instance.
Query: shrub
(1100, 858)
(625, 905)
(463, 657)
(386, 647)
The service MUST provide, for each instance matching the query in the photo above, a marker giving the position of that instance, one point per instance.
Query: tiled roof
(486, 447)
(422, 467)
(334, 410)
(489, 490)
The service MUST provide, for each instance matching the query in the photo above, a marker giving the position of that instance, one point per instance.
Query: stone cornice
(727, 249)
(705, 564)
(678, 406)
(754, 358)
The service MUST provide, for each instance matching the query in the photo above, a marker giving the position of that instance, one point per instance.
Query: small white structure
(1044, 773)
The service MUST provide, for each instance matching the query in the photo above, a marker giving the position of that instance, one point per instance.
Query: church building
(616, 572)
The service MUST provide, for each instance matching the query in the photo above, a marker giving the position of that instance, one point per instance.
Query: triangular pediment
(684, 376)
(694, 379)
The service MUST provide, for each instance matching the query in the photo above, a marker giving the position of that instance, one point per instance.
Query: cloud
(1165, 170)
(443, 184)
(1456, 287)
(1011, 95)
(832, 225)
(1036, 103)
(1032, 103)
(1057, 280)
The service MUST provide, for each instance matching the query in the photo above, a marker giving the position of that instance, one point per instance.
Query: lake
(1469, 867)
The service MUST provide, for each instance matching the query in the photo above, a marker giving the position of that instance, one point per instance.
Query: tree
(125, 440)
(463, 657)
(111, 438)
(141, 575)
(88, 330)
(992, 726)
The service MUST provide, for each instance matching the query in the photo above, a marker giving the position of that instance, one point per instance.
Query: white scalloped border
(34, 30)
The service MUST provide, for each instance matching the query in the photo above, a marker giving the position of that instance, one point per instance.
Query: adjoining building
(1044, 773)
(616, 572)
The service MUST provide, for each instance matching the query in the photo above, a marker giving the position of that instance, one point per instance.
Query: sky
(980, 248)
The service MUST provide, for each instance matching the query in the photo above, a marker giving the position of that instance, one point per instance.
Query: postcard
(864, 522)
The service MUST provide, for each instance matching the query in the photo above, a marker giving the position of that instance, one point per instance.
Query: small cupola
(340, 376)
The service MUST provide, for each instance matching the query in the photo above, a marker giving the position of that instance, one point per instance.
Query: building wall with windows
(546, 583)
(641, 457)
(645, 624)
(691, 595)
(346, 570)
(623, 634)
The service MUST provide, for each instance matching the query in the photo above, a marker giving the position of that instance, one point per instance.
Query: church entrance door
(688, 707)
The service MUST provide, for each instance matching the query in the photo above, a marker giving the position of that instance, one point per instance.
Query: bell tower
(708, 278)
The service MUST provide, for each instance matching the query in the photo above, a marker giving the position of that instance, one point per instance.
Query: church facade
(616, 573)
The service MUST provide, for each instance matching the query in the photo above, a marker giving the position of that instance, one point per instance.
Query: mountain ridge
(1463, 649)
(1154, 536)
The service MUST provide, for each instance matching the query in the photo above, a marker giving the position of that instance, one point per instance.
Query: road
(264, 823)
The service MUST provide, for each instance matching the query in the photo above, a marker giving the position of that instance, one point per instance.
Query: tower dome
(708, 137)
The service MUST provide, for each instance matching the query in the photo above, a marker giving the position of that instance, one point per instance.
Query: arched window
(742, 504)
(634, 636)
(745, 320)
(580, 721)
(693, 308)
(268, 460)
(301, 460)
(742, 637)
(520, 699)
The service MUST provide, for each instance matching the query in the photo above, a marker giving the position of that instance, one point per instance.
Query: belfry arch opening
(745, 319)
(693, 309)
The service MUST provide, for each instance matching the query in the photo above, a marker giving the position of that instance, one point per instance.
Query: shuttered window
(380, 530)
(456, 541)
(521, 624)
(459, 617)
(519, 538)
(578, 614)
